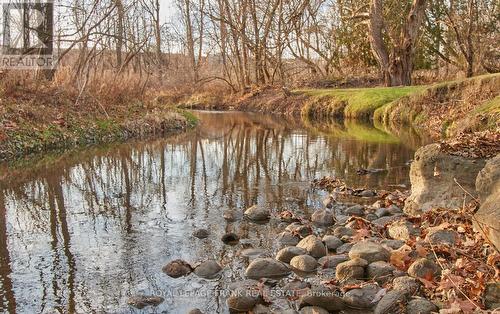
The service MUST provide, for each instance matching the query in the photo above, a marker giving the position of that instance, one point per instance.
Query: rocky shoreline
(352, 258)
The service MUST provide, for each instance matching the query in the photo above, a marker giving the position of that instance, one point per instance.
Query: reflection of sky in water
(97, 226)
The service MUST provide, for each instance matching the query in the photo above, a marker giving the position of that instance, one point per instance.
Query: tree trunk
(396, 68)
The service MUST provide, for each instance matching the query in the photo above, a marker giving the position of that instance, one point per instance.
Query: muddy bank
(41, 121)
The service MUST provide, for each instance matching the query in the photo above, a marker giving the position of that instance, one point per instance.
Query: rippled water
(81, 232)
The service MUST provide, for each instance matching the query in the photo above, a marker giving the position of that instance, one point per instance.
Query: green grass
(491, 107)
(191, 119)
(358, 102)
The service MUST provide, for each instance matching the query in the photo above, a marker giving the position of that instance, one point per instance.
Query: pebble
(363, 297)
(492, 295)
(257, 213)
(313, 310)
(201, 233)
(439, 237)
(305, 263)
(393, 244)
(344, 248)
(177, 268)
(356, 210)
(382, 212)
(322, 297)
(369, 251)
(230, 238)
(141, 301)
(391, 302)
(244, 296)
(407, 285)
(287, 238)
(266, 268)
(421, 306)
(286, 254)
(424, 268)
(313, 246)
(332, 242)
(300, 229)
(352, 269)
(339, 232)
(322, 218)
(402, 230)
(195, 311)
(380, 271)
(331, 261)
(208, 269)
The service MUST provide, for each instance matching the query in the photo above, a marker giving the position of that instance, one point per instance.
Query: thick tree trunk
(397, 67)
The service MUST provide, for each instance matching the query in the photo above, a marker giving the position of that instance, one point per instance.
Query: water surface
(83, 231)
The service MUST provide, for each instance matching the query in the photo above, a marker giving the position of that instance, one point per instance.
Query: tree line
(245, 43)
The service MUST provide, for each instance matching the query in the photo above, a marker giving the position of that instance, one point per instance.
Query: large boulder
(433, 174)
(488, 187)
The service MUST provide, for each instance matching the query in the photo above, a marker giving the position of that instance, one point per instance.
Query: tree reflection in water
(85, 230)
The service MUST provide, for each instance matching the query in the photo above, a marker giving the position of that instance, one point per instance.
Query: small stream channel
(83, 231)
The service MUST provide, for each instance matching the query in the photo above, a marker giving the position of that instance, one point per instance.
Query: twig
(467, 192)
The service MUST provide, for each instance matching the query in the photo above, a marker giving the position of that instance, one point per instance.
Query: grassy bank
(46, 118)
(358, 103)
(449, 108)
(440, 110)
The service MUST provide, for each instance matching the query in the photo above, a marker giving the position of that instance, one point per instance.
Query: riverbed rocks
(244, 296)
(208, 269)
(434, 175)
(407, 285)
(356, 210)
(492, 295)
(369, 251)
(266, 268)
(402, 230)
(440, 237)
(331, 261)
(304, 263)
(313, 310)
(380, 271)
(141, 301)
(177, 268)
(421, 306)
(313, 246)
(322, 218)
(287, 238)
(299, 229)
(332, 242)
(257, 213)
(351, 269)
(323, 297)
(230, 238)
(364, 297)
(286, 254)
(424, 268)
(201, 233)
(392, 302)
(339, 232)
